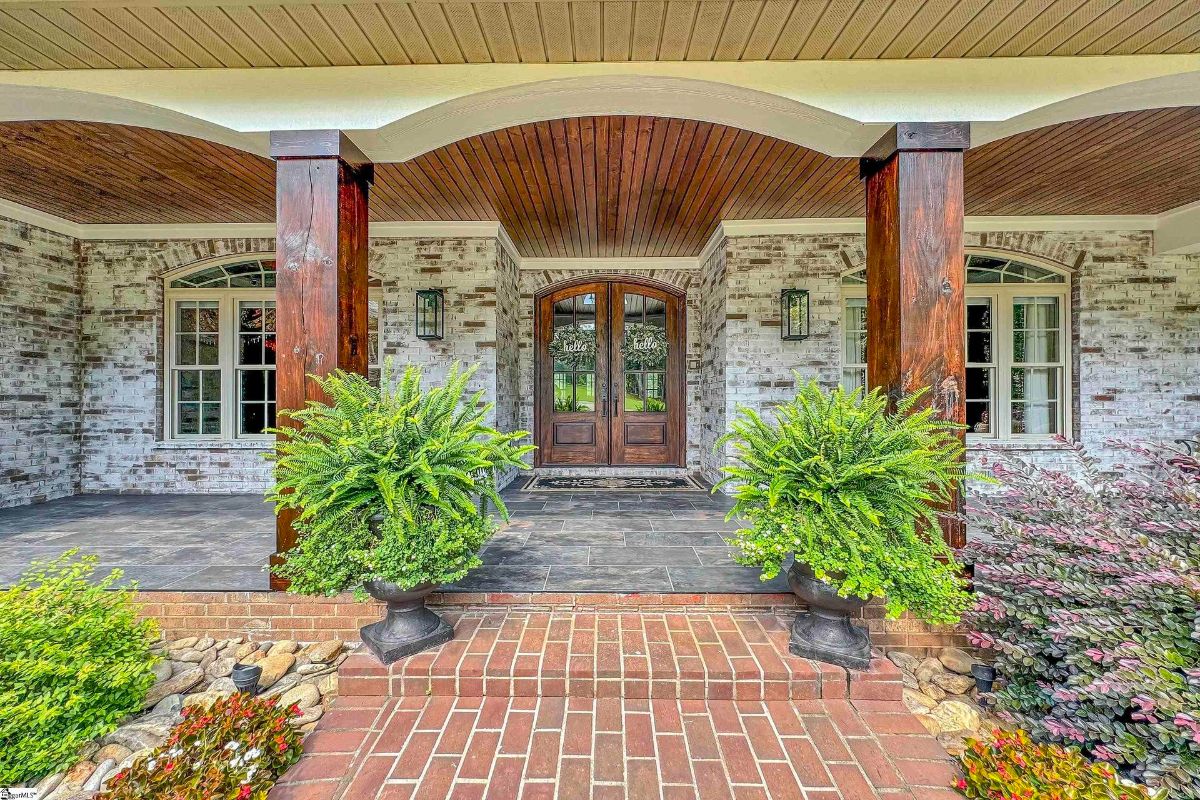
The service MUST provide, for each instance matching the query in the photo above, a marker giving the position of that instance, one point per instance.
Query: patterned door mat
(544, 483)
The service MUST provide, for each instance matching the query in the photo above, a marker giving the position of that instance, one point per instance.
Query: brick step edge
(361, 675)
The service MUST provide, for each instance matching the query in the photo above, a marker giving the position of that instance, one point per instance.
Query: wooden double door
(610, 374)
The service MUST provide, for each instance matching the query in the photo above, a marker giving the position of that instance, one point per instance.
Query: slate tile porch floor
(602, 541)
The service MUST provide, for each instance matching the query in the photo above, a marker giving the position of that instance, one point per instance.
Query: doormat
(620, 484)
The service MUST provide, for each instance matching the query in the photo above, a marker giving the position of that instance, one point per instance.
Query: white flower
(233, 745)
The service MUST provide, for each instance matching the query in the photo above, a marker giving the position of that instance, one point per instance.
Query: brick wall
(712, 410)
(1136, 363)
(40, 367)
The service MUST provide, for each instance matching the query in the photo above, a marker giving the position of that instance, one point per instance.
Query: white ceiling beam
(1178, 231)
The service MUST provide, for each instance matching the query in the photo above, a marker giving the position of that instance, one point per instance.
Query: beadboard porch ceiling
(157, 34)
(600, 186)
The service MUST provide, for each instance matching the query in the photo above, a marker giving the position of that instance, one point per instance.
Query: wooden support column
(915, 270)
(322, 182)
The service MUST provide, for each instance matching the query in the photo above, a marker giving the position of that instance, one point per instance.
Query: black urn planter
(409, 626)
(824, 632)
(245, 677)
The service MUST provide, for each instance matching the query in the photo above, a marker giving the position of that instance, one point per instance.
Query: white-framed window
(1017, 349)
(220, 341)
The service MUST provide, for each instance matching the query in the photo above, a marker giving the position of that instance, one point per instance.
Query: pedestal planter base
(409, 626)
(824, 632)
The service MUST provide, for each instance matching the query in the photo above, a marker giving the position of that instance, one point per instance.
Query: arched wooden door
(610, 374)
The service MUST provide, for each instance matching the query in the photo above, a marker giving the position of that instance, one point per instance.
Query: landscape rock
(74, 780)
(204, 644)
(171, 704)
(162, 670)
(927, 669)
(274, 667)
(253, 658)
(918, 703)
(956, 660)
(324, 652)
(117, 752)
(102, 771)
(905, 661)
(308, 717)
(49, 783)
(955, 715)
(187, 656)
(220, 668)
(223, 685)
(184, 643)
(245, 650)
(305, 695)
(176, 684)
(932, 690)
(285, 683)
(287, 646)
(954, 683)
(328, 685)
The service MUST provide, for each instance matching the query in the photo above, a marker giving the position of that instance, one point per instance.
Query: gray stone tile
(716, 556)
(732, 579)
(646, 556)
(608, 579)
(20, 554)
(503, 578)
(224, 578)
(718, 525)
(154, 577)
(534, 554)
(697, 513)
(673, 539)
(576, 537)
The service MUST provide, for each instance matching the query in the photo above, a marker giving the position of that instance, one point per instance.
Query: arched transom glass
(253, 274)
(1017, 348)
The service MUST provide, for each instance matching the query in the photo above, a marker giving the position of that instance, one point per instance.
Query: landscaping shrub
(74, 661)
(1089, 595)
(1013, 766)
(389, 483)
(235, 750)
(853, 491)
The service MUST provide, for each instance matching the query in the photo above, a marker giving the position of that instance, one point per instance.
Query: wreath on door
(573, 345)
(646, 344)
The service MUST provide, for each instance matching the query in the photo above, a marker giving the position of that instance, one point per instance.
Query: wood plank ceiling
(601, 186)
(131, 34)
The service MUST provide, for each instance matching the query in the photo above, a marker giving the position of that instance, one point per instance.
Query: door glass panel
(573, 350)
(644, 353)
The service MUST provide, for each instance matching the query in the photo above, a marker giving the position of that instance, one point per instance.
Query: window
(1017, 330)
(221, 325)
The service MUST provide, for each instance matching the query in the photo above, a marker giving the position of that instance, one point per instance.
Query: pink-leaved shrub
(1088, 593)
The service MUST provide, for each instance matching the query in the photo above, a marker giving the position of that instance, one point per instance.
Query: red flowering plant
(1012, 767)
(235, 750)
(1088, 593)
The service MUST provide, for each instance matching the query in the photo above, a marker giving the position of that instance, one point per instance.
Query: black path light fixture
(794, 315)
(431, 314)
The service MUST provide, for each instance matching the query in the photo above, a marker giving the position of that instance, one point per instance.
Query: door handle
(604, 398)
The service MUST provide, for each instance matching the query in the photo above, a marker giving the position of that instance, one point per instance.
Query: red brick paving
(558, 706)
(719, 656)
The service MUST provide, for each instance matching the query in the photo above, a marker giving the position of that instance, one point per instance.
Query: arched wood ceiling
(600, 186)
(132, 34)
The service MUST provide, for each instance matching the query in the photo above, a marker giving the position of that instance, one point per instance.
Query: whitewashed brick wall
(40, 365)
(81, 329)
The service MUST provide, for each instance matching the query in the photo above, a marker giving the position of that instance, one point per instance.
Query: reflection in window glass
(854, 343)
(645, 353)
(575, 377)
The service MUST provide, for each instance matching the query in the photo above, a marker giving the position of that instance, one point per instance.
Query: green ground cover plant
(75, 660)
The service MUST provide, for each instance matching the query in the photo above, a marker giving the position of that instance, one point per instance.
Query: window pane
(585, 391)
(656, 391)
(979, 399)
(854, 324)
(210, 316)
(188, 386)
(185, 348)
(211, 418)
(635, 391)
(250, 317)
(211, 391)
(187, 419)
(250, 350)
(854, 378)
(564, 396)
(1035, 400)
(254, 418)
(185, 318)
(208, 353)
(1036, 418)
(254, 384)
(372, 330)
(1035, 329)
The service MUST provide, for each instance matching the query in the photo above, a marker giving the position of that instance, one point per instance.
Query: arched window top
(253, 273)
(986, 269)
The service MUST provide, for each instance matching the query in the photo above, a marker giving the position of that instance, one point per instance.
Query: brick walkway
(538, 706)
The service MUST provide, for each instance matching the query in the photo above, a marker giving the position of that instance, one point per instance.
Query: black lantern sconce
(431, 314)
(794, 316)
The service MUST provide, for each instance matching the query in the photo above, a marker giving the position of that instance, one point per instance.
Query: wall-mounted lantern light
(431, 314)
(793, 314)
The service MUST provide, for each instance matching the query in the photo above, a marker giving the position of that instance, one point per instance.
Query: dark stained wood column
(915, 270)
(322, 182)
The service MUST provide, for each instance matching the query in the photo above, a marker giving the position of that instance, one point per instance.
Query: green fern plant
(853, 492)
(390, 483)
